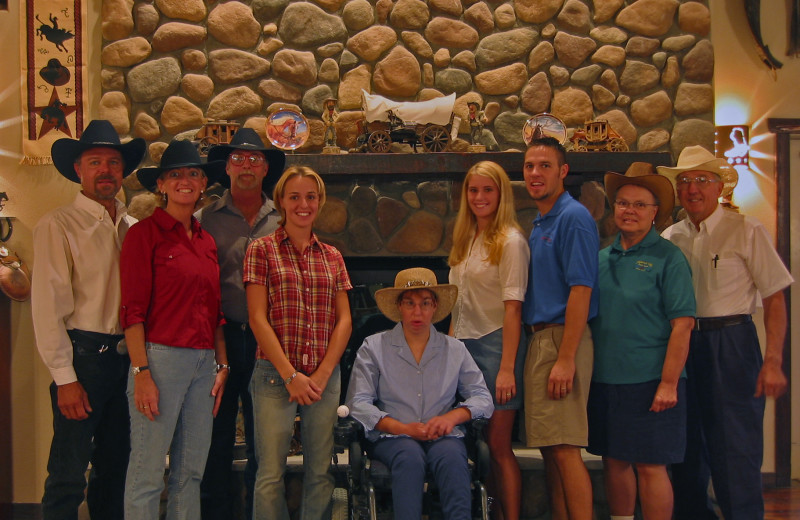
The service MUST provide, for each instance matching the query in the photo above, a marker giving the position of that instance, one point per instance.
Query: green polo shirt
(640, 291)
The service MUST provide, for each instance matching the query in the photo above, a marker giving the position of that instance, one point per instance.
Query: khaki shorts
(550, 422)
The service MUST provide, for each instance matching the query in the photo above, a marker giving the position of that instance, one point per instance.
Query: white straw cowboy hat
(416, 278)
(698, 158)
(642, 174)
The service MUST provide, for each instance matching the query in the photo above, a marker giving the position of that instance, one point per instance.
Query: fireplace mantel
(448, 166)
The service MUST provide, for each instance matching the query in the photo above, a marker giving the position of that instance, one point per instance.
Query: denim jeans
(184, 377)
(215, 490)
(274, 425)
(102, 439)
(409, 461)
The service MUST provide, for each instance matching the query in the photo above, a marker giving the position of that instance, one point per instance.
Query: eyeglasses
(239, 159)
(701, 180)
(638, 205)
(425, 304)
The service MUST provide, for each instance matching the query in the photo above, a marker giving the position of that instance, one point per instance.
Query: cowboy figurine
(329, 117)
(476, 120)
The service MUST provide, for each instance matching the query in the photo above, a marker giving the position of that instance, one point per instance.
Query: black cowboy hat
(97, 134)
(180, 154)
(248, 139)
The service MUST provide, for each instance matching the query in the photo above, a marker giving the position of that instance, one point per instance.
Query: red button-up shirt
(301, 293)
(170, 283)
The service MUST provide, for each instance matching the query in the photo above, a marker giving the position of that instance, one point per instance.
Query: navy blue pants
(103, 439)
(409, 460)
(725, 427)
(216, 498)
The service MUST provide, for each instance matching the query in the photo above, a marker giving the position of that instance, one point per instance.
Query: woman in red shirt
(171, 316)
(297, 302)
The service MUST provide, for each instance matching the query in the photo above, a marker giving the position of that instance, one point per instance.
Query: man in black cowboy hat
(75, 304)
(245, 212)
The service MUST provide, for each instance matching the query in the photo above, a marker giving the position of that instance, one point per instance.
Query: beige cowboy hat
(642, 174)
(698, 158)
(416, 278)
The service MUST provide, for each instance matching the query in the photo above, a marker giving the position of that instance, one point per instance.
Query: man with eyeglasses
(245, 212)
(732, 261)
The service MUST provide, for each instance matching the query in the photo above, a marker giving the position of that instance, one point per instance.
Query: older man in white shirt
(733, 261)
(75, 302)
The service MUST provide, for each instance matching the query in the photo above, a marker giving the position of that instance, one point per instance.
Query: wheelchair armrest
(477, 449)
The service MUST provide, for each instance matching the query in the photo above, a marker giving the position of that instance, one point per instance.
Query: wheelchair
(370, 481)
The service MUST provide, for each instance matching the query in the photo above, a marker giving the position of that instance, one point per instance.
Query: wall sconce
(732, 143)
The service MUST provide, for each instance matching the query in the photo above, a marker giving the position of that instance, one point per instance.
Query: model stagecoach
(214, 133)
(425, 123)
(598, 135)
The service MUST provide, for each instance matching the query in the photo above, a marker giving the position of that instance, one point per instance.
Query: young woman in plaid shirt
(297, 302)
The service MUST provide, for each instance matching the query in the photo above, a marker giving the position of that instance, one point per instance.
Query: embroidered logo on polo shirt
(641, 265)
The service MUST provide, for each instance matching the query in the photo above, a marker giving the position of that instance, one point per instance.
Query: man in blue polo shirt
(559, 301)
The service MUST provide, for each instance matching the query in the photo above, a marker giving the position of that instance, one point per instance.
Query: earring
(164, 195)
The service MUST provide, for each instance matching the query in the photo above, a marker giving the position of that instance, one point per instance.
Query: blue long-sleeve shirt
(387, 380)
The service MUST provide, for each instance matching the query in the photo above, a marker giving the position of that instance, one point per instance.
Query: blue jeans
(215, 490)
(409, 460)
(274, 425)
(184, 377)
(102, 439)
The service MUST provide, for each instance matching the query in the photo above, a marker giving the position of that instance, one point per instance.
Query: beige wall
(739, 73)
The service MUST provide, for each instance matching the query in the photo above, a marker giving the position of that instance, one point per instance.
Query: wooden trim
(6, 477)
(783, 128)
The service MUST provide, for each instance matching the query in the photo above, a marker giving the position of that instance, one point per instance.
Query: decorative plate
(287, 129)
(544, 125)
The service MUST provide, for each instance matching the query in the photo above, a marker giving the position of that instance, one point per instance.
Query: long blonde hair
(505, 219)
(280, 187)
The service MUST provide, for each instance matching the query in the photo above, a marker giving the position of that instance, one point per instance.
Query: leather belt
(541, 326)
(237, 325)
(721, 321)
(87, 342)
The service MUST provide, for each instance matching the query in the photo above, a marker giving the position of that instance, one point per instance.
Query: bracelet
(223, 366)
(289, 379)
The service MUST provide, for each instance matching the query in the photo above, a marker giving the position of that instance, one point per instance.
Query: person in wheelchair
(405, 389)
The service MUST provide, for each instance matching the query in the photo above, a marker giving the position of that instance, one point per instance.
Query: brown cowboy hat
(416, 278)
(97, 134)
(642, 174)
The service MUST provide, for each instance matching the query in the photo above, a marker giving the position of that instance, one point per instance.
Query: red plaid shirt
(301, 293)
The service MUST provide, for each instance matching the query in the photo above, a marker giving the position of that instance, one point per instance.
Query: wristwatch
(135, 370)
(220, 366)
(289, 379)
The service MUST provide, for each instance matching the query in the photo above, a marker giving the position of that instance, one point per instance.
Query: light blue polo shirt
(640, 291)
(564, 245)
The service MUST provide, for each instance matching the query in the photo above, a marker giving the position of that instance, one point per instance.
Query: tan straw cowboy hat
(416, 278)
(642, 174)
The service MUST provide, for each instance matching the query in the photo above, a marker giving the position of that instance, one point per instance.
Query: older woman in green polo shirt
(637, 404)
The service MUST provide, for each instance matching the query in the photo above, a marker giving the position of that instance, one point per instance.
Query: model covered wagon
(426, 123)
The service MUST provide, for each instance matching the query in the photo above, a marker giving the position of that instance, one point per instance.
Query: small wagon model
(412, 122)
(214, 133)
(598, 135)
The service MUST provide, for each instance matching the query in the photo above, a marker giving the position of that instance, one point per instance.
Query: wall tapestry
(53, 61)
